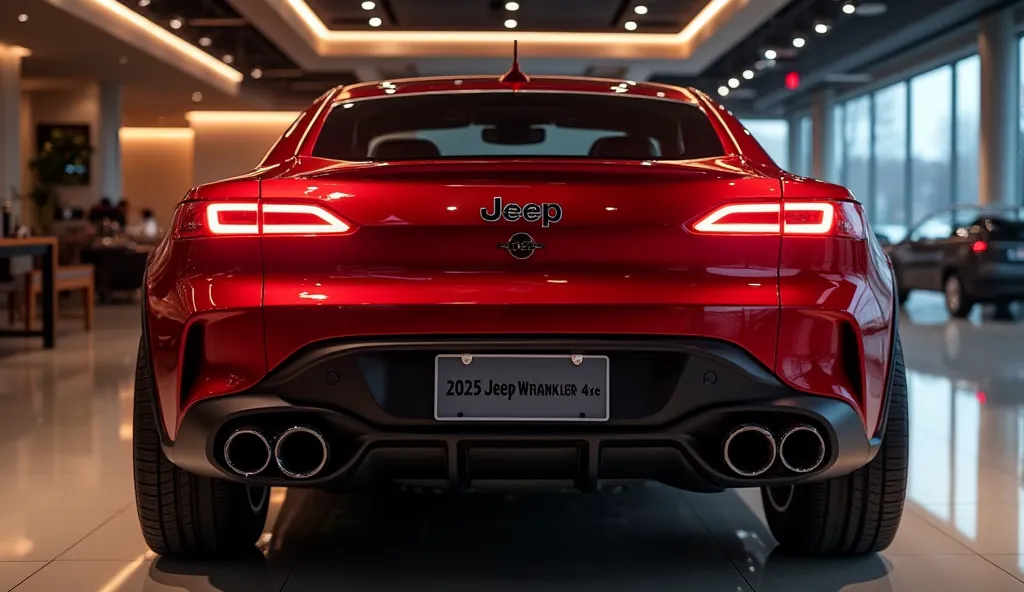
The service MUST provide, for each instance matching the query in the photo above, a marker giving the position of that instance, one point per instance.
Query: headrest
(623, 147)
(406, 149)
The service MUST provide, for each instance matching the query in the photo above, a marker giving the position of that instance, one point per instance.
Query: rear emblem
(521, 245)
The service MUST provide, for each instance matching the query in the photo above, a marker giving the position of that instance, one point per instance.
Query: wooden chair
(68, 278)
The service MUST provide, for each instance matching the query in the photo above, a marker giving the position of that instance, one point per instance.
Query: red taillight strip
(214, 210)
(331, 225)
(212, 221)
(836, 219)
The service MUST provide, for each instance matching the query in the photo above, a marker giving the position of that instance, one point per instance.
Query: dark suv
(972, 254)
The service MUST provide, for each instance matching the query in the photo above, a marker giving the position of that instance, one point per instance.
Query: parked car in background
(971, 254)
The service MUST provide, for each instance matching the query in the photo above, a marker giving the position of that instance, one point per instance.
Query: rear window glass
(999, 229)
(516, 125)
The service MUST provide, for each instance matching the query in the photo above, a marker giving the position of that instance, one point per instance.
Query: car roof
(608, 86)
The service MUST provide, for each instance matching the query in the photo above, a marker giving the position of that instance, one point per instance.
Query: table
(46, 247)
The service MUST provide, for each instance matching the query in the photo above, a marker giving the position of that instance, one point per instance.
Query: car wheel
(855, 514)
(958, 302)
(185, 515)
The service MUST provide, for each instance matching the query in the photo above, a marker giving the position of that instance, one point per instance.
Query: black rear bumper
(673, 403)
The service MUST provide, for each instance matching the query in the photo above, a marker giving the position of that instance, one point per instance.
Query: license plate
(520, 388)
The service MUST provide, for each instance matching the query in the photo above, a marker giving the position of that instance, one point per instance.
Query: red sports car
(478, 283)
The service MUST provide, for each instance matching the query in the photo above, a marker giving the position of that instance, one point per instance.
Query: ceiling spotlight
(228, 58)
(799, 42)
(734, 83)
(723, 90)
(849, 8)
(630, 25)
(511, 24)
(748, 74)
(770, 54)
(511, 6)
(369, 5)
(256, 73)
(22, 18)
(205, 41)
(197, 96)
(175, 23)
(376, 21)
(640, 9)
(821, 28)
(143, 3)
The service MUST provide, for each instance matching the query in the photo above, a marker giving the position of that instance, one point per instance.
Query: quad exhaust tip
(247, 452)
(750, 450)
(802, 449)
(301, 452)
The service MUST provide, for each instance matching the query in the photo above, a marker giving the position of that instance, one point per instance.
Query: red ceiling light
(793, 81)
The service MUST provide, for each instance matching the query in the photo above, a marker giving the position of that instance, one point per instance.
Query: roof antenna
(515, 77)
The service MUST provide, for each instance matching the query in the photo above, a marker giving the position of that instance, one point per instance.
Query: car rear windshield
(516, 125)
(999, 229)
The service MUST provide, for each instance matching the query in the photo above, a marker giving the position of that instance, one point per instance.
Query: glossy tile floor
(68, 523)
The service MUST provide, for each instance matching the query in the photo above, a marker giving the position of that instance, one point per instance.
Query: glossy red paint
(419, 260)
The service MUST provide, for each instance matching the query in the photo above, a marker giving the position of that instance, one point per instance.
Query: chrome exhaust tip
(749, 450)
(301, 452)
(247, 452)
(802, 449)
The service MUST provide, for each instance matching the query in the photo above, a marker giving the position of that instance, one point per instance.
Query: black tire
(184, 515)
(958, 305)
(855, 514)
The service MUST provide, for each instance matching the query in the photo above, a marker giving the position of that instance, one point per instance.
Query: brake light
(979, 246)
(812, 218)
(196, 219)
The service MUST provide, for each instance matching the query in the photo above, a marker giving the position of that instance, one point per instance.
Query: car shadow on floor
(644, 538)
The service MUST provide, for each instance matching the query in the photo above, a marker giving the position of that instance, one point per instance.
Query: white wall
(233, 144)
(157, 165)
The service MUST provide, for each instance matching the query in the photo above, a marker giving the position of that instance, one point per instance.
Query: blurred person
(101, 211)
(120, 214)
(149, 228)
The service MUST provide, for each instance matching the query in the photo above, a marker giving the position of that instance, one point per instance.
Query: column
(793, 141)
(822, 128)
(1000, 83)
(11, 183)
(110, 141)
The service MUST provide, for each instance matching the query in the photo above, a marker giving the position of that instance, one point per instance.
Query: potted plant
(59, 162)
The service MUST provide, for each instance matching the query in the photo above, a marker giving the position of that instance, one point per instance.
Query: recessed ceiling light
(748, 74)
(369, 5)
(511, 24)
(376, 21)
(512, 6)
(228, 58)
(849, 8)
(143, 3)
(205, 41)
(640, 9)
(175, 23)
(734, 83)
(723, 90)
(256, 73)
(22, 17)
(630, 26)
(821, 28)
(799, 42)
(197, 96)
(770, 54)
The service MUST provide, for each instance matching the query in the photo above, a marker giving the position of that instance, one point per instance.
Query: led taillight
(811, 218)
(196, 219)
(979, 246)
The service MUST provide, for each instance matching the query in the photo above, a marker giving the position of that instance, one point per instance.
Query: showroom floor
(68, 523)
